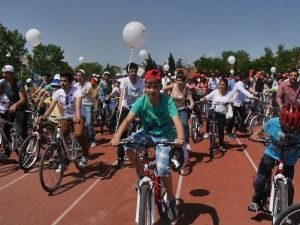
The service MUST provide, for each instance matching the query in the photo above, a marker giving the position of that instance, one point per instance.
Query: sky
(188, 29)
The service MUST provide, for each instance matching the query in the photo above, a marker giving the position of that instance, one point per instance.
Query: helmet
(290, 118)
(176, 158)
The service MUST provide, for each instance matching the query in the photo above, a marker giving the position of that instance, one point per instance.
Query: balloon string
(122, 97)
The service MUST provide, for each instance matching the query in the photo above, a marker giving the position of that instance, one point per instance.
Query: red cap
(153, 75)
(93, 80)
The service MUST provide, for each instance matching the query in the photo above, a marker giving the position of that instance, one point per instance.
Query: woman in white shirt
(220, 98)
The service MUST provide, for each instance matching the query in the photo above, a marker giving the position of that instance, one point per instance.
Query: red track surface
(212, 192)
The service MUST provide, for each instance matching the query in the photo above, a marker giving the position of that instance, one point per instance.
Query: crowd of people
(162, 104)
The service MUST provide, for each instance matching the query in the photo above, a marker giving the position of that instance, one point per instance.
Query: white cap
(8, 68)
(94, 74)
(28, 80)
(56, 76)
(106, 72)
(82, 71)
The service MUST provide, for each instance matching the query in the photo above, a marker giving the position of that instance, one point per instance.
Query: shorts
(162, 153)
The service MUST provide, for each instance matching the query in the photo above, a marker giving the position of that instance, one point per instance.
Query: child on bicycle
(287, 124)
(157, 112)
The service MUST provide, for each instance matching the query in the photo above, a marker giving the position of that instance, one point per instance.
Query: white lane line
(179, 185)
(16, 180)
(246, 153)
(105, 173)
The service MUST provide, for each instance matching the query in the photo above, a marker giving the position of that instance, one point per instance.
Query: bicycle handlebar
(133, 144)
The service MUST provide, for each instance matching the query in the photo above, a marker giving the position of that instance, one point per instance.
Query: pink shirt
(287, 93)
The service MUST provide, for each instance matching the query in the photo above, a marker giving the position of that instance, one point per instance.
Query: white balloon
(166, 67)
(81, 59)
(140, 72)
(273, 69)
(231, 71)
(134, 34)
(231, 60)
(33, 37)
(143, 54)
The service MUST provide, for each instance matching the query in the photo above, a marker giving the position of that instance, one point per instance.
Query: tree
(47, 59)
(150, 64)
(171, 64)
(179, 63)
(12, 48)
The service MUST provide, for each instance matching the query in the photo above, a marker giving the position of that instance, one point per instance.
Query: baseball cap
(106, 72)
(55, 82)
(8, 68)
(82, 71)
(28, 80)
(56, 76)
(153, 75)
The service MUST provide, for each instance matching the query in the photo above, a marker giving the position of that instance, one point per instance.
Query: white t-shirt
(132, 91)
(239, 94)
(219, 100)
(88, 99)
(213, 83)
(67, 100)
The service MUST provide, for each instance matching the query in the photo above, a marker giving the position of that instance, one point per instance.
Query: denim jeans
(184, 117)
(88, 113)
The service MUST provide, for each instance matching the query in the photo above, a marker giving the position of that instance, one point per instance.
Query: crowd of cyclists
(162, 104)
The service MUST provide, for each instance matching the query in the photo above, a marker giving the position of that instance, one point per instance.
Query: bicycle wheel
(193, 128)
(280, 199)
(289, 216)
(51, 168)
(212, 136)
(257, 121)
(145, 206)
(29, 152)
(160, 196)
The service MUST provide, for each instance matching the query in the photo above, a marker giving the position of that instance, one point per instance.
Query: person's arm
(122, 93)
(87, 91)
(179, 129)
(167, 88)
(126, 122)
(255, 134)
(22, 100)
(191, 100)
(78, 107)
(50, 108)
(244, 91)
(280, 95)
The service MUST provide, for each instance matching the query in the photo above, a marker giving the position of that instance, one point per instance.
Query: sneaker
(231, 136)
(121, 163)
(59, 168)
(254, 207)
(222, 149)
(206, 135)
(93, 144)
(83, 162)
(172, 209)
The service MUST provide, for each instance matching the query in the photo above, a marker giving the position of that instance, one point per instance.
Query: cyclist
(288, 123)
(113, 105)
(131, 88)
(157, 112)
(70, 100)
(219, 97)
(15, 92)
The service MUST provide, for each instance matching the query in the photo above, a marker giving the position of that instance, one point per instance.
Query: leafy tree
(179, 63)
(12, 48)
(150, 64)
(47, 59)
(171, 64)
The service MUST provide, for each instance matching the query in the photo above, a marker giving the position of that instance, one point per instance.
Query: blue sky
(186, 28)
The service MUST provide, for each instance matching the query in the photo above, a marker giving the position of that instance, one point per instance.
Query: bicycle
(31, 147)
(195, 125)
(60, 152)
(276, 194)
(289, 216)
(150, 188)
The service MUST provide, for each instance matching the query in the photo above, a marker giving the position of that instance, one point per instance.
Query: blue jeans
(88, 114)
(184, 117)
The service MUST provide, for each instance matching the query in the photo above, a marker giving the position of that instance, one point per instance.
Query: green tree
(47, 59)
(12, 48)
(179, 63)
(150, 64)
(171, 64)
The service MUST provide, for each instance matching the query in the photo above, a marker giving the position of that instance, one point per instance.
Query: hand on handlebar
(115, 141)
(254, 137)
(180, 141)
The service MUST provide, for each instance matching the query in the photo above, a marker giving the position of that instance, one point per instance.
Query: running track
(210, 192)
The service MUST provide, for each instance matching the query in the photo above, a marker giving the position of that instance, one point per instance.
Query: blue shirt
(273, 129)
(231, 84)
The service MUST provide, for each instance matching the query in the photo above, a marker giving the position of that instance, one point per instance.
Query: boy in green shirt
(158, 115)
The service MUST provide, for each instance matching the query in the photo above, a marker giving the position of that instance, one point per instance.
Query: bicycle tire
(289, 216)
(51, 160)
(145, 205)
(160, 193)
(29, 152)
(280, 198)
(193, 129)
(257, 121)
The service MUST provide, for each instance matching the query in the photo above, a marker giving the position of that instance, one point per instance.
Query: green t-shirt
(157, 119)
